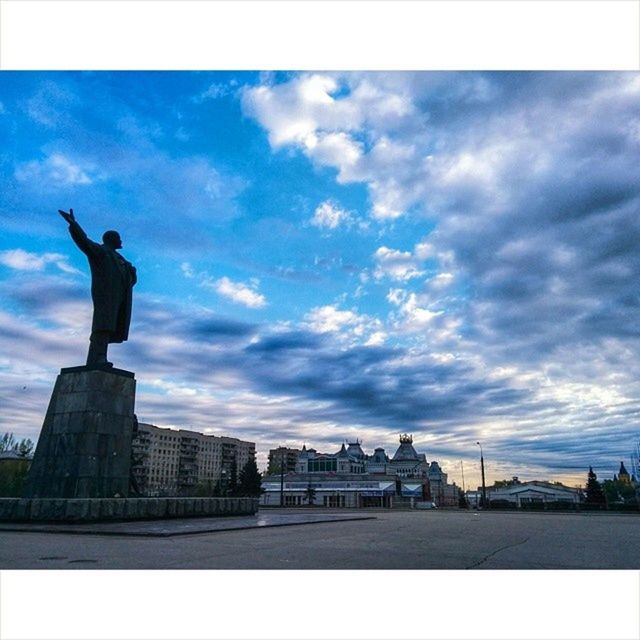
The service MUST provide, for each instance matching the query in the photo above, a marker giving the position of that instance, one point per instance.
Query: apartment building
(178, 461)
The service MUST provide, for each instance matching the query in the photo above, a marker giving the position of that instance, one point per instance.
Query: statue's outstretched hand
(69, 217)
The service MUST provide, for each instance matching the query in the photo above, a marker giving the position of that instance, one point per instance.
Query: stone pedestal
(84, 449)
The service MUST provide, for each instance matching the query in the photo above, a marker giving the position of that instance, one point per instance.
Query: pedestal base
(84, 449)
(98, 509)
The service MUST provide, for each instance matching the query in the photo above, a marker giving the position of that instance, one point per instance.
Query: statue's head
(112, 239)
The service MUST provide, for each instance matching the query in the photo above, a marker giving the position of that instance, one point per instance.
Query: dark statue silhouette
(112, 280)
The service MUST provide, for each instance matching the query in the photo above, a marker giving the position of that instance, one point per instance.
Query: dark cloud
(221, 327)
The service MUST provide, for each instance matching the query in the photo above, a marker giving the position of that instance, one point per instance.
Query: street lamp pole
(281, 477)
(485, 505)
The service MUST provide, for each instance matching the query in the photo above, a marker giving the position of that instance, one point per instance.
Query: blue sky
(324, 256)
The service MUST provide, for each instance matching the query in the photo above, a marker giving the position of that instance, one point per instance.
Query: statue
(112, 280)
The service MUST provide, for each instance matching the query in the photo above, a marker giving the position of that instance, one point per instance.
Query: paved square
(182, 526)
(393, 540)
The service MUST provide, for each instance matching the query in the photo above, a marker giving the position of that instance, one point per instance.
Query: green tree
(462, 499)
(204, 489)
(618, 492)
(310, 494)
(232, 483)
(250, 480)
(594, 491)
(25, 447)
(22, 448)
(7, 442)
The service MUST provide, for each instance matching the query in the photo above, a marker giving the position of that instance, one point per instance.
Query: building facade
(350, 478)
(282, 457)
(523, 494)
(170, 462)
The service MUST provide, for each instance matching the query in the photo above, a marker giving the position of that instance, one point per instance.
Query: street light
(281, 477)
(485, 504)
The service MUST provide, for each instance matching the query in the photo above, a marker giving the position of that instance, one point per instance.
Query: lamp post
(281, 477)
(485, 504)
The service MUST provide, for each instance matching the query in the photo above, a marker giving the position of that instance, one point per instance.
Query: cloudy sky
(329, 256)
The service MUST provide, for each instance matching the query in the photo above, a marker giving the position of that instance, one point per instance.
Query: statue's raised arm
(69, 217)
(112, 280)
(78, 235)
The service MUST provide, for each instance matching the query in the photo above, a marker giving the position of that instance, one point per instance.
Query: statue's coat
(112, 280)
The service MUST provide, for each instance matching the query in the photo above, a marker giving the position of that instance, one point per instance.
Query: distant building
(623, 475)
(282, 457)
(351, 478)
(525, 493)
(176, 462)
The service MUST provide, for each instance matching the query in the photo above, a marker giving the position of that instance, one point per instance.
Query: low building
(351, 478)
(534, 493)
(168, 462)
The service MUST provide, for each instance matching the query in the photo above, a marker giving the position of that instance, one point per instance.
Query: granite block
(77, 509)
(8, 508)
(94, 509)
(131, 509)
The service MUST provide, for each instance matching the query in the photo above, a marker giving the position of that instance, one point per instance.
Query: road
(393, 540)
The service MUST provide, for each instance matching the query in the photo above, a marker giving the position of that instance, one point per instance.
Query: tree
(7, 442)
(22, 448)
(204, 489)
(232, 484)
(13, 473)
(25, 447)
(618, 492)
(462, 499)
(310, 494)
(250, 480)
(594, 490)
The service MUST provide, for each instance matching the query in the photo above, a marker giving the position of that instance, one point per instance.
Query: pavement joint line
(167, 534)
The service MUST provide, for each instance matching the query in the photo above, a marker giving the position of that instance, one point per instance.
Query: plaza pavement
(443, 539)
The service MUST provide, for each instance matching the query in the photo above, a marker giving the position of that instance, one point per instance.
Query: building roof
(405, 451)
(523, 487)
(355, 450)
(622, 471)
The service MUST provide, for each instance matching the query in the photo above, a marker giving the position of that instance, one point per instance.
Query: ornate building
(351, 478)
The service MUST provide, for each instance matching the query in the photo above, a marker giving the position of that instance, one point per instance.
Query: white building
(177, 461)
(523, 494)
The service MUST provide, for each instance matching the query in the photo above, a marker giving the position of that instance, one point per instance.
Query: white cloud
(330, 319)
(21, 260)
(441, 281)
(238, 292)
(329, 216)
(425, 250)
(376, 339)
(214, 91)
(187, 270)
(312, 113)
(347, 326)
(414, 317)
(396, 265)
(56, 168)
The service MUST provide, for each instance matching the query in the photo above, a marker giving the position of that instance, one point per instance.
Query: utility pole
(462, 468)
